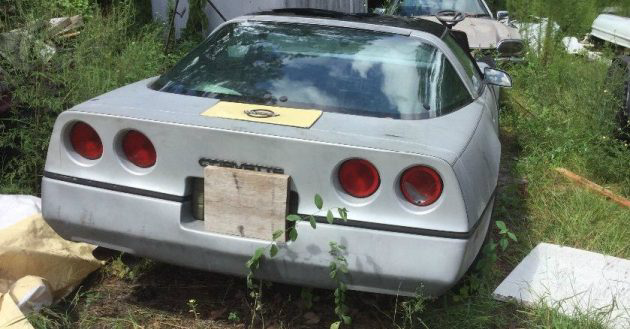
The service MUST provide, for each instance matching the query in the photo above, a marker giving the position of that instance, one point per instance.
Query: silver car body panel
(145, 211)
(378, 261)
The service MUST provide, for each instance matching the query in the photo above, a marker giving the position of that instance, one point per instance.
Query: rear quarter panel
(477, 168)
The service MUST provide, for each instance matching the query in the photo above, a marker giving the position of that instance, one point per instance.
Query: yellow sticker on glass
(285, 116)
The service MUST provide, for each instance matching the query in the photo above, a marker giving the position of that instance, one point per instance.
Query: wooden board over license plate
(244, 203)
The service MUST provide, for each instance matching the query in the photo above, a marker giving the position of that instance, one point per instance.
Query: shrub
(111, 50)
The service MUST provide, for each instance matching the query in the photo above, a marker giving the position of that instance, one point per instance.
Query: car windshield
(432, 7)
(311, 66)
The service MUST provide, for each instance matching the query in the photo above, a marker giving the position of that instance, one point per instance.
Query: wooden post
(594, 187)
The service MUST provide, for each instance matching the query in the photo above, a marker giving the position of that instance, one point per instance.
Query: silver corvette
(385, 116)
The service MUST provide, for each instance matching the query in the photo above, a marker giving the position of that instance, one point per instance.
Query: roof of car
(412, 23)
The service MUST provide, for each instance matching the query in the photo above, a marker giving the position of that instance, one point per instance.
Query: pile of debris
(607, 27)
(35, 43)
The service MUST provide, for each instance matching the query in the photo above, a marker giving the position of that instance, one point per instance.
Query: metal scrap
(21, 46)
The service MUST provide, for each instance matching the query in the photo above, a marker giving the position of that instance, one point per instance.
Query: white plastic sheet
(16, 207)
(572, 280)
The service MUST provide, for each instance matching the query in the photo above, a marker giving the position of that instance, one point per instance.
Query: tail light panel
(358, 178)
(85, 141)
(138, 149)
(421, 185)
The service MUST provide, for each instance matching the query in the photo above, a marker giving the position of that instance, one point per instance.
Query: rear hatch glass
(333, 69)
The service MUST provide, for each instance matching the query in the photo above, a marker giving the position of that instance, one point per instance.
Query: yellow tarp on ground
(37, 266)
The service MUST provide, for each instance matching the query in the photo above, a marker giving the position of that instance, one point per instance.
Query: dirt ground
(159, 297)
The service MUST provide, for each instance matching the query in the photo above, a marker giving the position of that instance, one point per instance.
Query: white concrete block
(572, 280)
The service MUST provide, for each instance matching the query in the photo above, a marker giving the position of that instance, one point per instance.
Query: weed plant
(114, 48)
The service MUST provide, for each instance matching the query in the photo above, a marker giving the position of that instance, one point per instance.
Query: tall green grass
(562, 114)
(115, 47)
(558, 115)
(575, 17)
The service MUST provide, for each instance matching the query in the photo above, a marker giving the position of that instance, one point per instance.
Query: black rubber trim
(319, 219)
(116, 188)
(409, 230)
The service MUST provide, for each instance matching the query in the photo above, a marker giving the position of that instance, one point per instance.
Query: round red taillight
(85, 141)
(421, 185)
(138, 149)
(359, 178)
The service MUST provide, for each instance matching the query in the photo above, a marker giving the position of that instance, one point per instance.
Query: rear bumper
(378, 260)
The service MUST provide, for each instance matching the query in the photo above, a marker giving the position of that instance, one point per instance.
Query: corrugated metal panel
(348, 6)
(234, 8)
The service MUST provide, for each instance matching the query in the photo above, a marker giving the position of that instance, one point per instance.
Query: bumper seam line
(319, 219)
(410, 230)
(116, 188)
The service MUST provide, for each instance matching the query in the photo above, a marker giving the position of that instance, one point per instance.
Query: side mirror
(503, 15)
(497, 78)
(510, 48)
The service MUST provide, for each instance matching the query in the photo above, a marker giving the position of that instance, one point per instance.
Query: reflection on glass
(310, 66)
(465, 59)
(431, 7)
